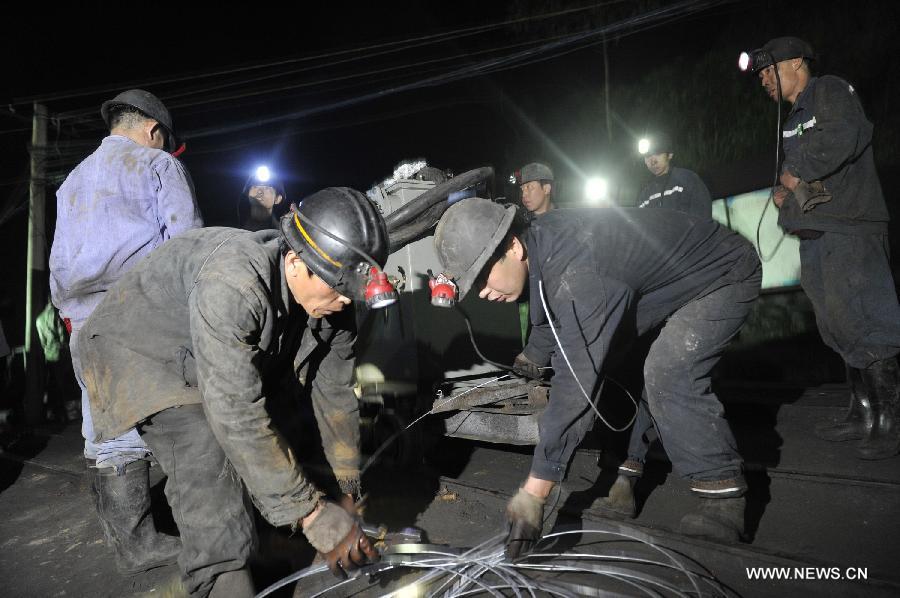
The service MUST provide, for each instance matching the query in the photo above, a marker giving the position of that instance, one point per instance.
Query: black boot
(123, 505)
(859, 418)
(883, 439)
(720, 519)
(619, 503)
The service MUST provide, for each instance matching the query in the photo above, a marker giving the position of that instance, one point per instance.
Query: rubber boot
(234, 584)
(123, 505)
(859, 418)
(719, 519)
(619, 503)
(883, 439)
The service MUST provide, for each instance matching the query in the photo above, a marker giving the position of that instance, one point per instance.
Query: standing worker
(192, 344)
(830, 197)
(262, 194)
(117, 206)
(597, 278)
(536, 182)
(672, 187)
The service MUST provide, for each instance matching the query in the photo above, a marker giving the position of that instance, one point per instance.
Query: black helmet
(660, 143)
(468, 235)
(261, 177)
(775, 50)
(348, 215)
(147, 103)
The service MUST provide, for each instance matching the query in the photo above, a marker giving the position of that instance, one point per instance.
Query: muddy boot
(619, 503)
(719, 519)
(123, 505)
(859, 418)
(883, 439)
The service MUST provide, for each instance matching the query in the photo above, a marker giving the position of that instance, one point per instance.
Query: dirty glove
(524, 367)
(809, 195)
(340, 540)
(525, 513)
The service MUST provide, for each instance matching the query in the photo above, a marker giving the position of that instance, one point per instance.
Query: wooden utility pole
(35, 287)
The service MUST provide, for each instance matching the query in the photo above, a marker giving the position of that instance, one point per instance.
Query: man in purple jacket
(118, 205)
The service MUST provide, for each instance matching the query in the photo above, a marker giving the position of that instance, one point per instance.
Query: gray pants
(117, 452)
(848, 280)
(206, 495)
(688, 415)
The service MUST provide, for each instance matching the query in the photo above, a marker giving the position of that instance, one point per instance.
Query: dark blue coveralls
(682, 190)
(844, 255)
(608, 276)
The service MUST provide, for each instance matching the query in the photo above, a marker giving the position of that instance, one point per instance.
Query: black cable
(297, 130)
(641, 22)
(510, 61)
(507, 368)
(413, 210)
(778, 145)
(364, 51)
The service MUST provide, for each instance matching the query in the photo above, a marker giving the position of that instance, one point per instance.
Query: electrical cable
(431, 411)
(655, 17)
(501, 366)
(575, 376)
(775, 181)
(285, 132)
(641, 22)
(364, 51)
(88, 115)
(484, 569)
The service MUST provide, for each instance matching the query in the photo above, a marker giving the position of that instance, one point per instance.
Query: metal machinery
(415, 358)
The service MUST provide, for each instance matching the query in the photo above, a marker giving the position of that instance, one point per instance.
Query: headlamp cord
(779, 140)
(501, 366)
(574, 375)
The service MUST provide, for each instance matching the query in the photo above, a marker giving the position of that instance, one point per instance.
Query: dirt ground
(811, 504)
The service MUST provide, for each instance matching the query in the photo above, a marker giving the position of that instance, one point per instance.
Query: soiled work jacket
(208, 318)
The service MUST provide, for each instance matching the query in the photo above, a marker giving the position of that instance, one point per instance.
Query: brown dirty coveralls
(187, 347)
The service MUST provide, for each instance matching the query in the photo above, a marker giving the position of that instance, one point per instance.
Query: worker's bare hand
(788, 180)
(780, 195)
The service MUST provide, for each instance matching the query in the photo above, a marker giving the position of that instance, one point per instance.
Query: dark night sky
(550, 110)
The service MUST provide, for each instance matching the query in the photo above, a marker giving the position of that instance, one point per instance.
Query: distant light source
(596, 189)
(643, 146)
(263, 174)
(744, 61)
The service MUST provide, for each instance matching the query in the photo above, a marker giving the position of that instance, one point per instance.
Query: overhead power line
(365, 52)
(564, 45)
(409, 66)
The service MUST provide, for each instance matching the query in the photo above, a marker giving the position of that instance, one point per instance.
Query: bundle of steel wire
(605, 560)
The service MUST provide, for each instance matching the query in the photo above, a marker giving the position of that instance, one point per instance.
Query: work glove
(525, 514)
(524, 367)
(809, 195)
(338, 537)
